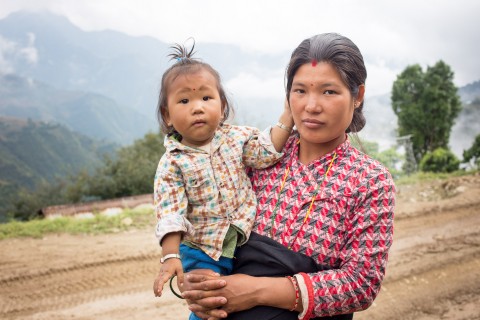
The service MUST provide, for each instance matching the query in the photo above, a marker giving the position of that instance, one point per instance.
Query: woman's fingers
(202, 279)
(208, 299)
(207, 313)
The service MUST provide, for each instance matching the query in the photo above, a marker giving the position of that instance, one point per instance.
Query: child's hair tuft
(181, 54)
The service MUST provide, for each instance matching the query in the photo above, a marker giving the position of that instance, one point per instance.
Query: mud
(433, 270)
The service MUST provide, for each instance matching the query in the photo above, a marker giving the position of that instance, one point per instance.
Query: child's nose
(198, 107)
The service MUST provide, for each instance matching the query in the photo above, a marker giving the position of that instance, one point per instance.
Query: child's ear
(166, 116)
(223, 111)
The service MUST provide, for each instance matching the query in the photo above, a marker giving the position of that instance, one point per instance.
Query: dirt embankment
(433, 272)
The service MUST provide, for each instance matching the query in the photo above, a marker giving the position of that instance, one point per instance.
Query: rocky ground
(433, 272)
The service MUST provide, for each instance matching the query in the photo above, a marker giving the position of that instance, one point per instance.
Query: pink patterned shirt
(349, 230)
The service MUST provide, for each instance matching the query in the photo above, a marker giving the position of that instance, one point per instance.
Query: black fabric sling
(264, 257)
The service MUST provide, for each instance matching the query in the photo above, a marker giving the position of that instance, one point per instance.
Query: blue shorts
(197, 259)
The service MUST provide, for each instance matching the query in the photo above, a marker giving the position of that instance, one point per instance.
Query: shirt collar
(172, 140)
(340, 150)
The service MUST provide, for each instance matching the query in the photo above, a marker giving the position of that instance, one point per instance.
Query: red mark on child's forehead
(314, 62)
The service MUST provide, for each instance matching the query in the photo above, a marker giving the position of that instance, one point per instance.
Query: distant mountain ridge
(107, 62)
(91, 114)
(110, 67)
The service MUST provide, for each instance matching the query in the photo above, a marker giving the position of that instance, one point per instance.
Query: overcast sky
(390, 34)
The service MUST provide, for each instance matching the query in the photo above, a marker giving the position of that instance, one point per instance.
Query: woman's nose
(312, 104)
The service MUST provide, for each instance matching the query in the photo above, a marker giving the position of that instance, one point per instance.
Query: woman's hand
(286, 118)
(214, 297)
(200, 290)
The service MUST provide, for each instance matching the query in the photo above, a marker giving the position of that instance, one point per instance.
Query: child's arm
(281, 131)
(172, 266)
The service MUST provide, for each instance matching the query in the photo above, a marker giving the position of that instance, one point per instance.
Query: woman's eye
(300, 91)
(328, 92)
(184, 101)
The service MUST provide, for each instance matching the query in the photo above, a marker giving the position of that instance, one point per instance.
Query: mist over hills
(88, 113)
(85, 70)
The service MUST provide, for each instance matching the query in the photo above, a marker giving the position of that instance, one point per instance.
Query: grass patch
(430, 176)
(128, 219)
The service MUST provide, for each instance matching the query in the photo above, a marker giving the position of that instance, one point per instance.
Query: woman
(326, 201)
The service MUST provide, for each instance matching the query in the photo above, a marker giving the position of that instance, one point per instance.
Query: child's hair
(341, 53)
(186, 64)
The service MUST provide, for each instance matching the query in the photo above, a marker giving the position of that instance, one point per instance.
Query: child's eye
(329, 92)
(206, 98)
(183, 101)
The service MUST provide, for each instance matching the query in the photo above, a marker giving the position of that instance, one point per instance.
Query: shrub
(440, 160)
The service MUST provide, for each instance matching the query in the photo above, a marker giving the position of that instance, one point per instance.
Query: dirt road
(433, 272)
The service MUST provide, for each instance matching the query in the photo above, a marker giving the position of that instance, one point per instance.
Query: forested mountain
(31, 152)
(88, 113)
(121, 72)
(104, 84)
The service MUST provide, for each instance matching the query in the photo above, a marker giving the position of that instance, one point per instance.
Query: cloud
(6, 50)
(11, 51)
(397, 32)
(256, 86)
(30, 53)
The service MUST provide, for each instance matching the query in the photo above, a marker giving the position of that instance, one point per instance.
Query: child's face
(194, 107)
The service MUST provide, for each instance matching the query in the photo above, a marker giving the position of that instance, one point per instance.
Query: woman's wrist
(277, 292)
(286, 119)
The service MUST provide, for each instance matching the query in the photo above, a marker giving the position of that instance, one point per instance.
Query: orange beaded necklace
(284, 179)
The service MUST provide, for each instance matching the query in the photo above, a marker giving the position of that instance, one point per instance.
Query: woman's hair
(343, 55)
(186, 64)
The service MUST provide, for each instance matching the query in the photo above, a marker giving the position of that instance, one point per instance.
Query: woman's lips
(313, 123)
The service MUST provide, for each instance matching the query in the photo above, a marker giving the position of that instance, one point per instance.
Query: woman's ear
(360, 95)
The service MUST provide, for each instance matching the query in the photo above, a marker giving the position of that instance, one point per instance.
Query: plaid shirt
(202, 194)
(349, 230)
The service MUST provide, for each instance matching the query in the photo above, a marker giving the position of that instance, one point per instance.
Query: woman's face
(322, 106)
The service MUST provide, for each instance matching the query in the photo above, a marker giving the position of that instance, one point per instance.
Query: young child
(202, 195)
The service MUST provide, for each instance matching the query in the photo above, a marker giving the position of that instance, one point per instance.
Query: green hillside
(31, 152)
(91, 114)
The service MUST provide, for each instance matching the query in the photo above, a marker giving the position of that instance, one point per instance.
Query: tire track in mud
(434, 266)
(65, 287)
(433, 270)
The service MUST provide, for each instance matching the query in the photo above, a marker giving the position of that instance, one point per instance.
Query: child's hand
(168, 269)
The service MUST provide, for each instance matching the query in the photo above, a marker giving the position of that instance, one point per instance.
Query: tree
(130, 172)
(426, 104)
(473, 153)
